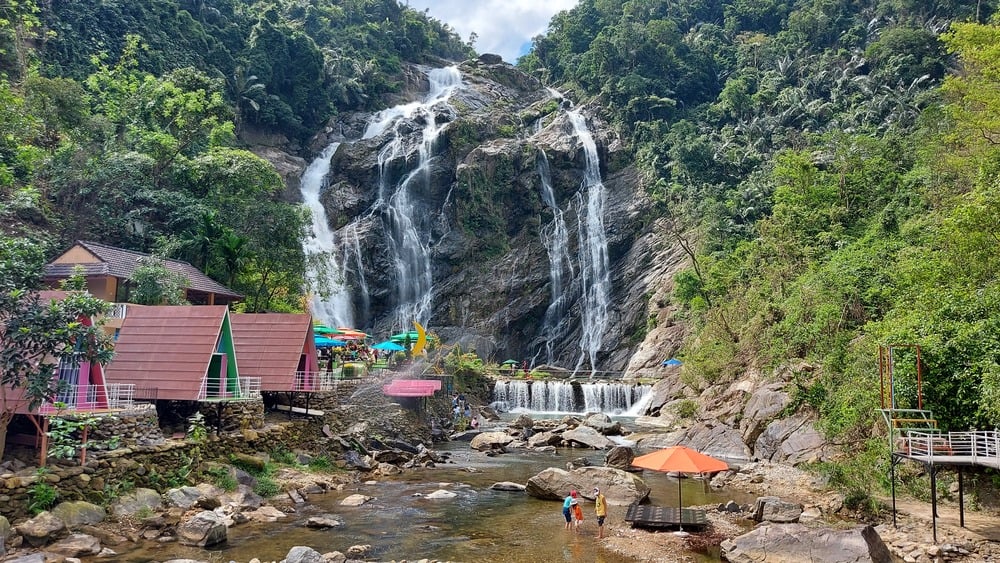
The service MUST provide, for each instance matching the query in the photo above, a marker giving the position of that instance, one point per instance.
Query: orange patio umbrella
(680, 459)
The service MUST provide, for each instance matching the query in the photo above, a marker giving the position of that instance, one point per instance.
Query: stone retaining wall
(106, 475)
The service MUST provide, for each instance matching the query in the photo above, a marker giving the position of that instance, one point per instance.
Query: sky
(504, 27)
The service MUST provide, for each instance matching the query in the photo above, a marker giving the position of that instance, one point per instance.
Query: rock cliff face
(474, 213)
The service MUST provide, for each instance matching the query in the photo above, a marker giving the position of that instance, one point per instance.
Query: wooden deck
(648, 516)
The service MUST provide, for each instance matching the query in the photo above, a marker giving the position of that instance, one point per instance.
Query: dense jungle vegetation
(837, 163)
(123, 122)
(832, 165)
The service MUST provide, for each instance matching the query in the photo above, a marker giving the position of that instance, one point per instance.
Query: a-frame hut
(279, 348)
(180, 353)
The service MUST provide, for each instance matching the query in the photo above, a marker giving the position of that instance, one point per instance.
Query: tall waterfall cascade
(326, 271)
(407, 225)
(555, 237)
(540, 396)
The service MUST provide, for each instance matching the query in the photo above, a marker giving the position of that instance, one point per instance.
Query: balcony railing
(247, 389)
(88, 398)
(980, 448)
(314, 381)
(118, 311)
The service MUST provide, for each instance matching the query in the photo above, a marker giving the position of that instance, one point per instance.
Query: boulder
(41, 529)
(137, 500)
(588, 437)
(793, 543)
(714, 439)
(355, 500)
(619, 487)
(4, 533)
(791, 440)
(522, 421)
(619, 457)
(663, 392)
(183, 497)
(441, 494)
(324, 521)
(603, 424)
(763, 405)
(490, 59)
(243, 498)
(465, 436)
(32, 558)
(491, 441)
(773, 509)
(508, 486)
(250, 462)
(76, 545)
(266, 514)
(547, 438)
(204, 529)
(302, 554)
(78, 513)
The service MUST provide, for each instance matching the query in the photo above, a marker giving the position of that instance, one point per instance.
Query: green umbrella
(510, 363)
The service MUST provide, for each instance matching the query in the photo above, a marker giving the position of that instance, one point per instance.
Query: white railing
(313, 381)
(979, 447)
(248, 389)
(118, 311)
(113, 396)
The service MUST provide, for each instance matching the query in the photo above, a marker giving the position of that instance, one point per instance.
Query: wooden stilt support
(934, 501)
(961, 499)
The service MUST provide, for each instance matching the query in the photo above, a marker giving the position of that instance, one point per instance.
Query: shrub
(687, 408)
(223, 478)
(43, 497)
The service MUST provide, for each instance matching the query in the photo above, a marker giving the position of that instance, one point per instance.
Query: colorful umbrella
(388, 346)
(510, 363)
(672, 362)
(680, 459)
(324, 342)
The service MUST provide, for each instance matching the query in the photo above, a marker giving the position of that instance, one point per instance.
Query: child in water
(577, 511)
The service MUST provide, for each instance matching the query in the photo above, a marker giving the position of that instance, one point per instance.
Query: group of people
(460, 408)
(352, 352)
(573, 512)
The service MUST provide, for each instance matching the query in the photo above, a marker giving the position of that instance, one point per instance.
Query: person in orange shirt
(577, 514)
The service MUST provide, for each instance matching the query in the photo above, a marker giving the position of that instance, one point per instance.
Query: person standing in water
(567, 503)
(577, 515)
(601, 509)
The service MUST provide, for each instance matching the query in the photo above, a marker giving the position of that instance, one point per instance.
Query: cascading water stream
(326, 273)
(555, 237)
(594, 271)
(569, 397)
(406, 223)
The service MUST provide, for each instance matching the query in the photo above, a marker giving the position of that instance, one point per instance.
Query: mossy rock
(76, 513)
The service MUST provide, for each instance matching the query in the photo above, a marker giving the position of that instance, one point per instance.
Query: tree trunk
(5, 417)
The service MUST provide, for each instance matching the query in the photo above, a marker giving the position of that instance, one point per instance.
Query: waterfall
(555, 237)
(407, 225)
(326, 274)
(594, 274)
(569, 397)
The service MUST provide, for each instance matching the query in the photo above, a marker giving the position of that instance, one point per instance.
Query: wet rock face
(793, 543)
(203, 530)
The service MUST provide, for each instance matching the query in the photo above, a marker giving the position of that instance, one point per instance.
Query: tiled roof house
(279, 349)
(183, 353)
(108, 270)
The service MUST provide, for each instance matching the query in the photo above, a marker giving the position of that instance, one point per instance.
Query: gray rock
(266, 514)
(465, 436)
(137, 500)
(324, 521)
(714, 439)
(547, 438)
(203, 530)
(302, 554)
(76, 545)
(184, 497)
(603, 424)
(78, 513)
(577, 463)
(359, 550)
(522, 421)
(41, 529)
(33, 558)
(620, 457)
(791, 440)
(508, 486)
(763, 405)
(490, 59)
(355, 500)
(619, 487)
(491, 441)
(186, 561)
(588, 437)
(794, 543)
(242, 498)
(4, 532)
(441, 494)
(773, 509)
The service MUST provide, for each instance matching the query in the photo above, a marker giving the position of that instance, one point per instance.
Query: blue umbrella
(324, 342)
(388, 346)
(672, 362)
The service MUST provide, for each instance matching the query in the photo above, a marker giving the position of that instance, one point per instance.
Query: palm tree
(234, 252)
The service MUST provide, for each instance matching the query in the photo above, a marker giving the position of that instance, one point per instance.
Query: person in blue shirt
(566, 509)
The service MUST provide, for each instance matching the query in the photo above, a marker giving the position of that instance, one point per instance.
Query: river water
(479, 524)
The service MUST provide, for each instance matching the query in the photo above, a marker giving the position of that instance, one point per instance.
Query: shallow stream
(480, 524)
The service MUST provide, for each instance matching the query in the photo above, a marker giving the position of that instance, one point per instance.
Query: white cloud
(504, 27)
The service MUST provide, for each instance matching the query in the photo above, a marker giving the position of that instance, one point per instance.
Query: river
(480, 524)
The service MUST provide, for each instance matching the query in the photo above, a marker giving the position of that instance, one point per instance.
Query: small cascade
(406, 223)
(594, 268)
(331, 298)
(555, 237)
(569, 397)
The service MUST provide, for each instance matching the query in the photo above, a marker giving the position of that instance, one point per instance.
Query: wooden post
(44, 453)
(83, 445)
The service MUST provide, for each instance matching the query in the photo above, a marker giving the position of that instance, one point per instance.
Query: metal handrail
(248, 389)
(980, 446)
(90, 397)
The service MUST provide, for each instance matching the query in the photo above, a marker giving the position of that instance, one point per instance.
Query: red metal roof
(412, 387)
(269, 346)
(167, 348)
(120, 263)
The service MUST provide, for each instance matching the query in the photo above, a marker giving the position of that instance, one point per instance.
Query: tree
(154, 284)
(36, 334)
